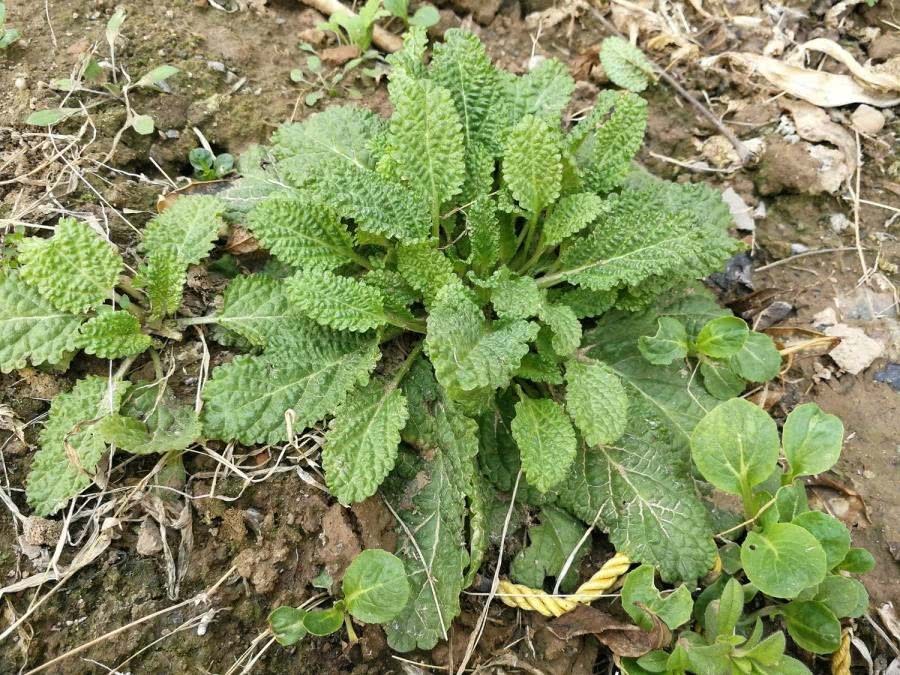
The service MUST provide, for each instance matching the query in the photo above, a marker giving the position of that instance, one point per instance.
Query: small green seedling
(356, 29)
(374, 588)
(7, 35)
(425, 16)
(208, 166)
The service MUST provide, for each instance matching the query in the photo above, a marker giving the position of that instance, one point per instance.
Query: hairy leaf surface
(336, 301)
(112, 335)
(597, 402)
(546, 441)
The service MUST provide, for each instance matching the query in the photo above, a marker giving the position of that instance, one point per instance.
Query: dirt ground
(283, 532)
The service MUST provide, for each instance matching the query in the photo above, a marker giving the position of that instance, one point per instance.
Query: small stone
(857, 350)
(838, 222)
(20, 83)
(173, 133)
(799, 248)
(868, 474)
(338, 56)
(867, 120)
(742, 214)
(217, 66)
(40, 531)
(149, 541)
(170, 14)
(312, 36)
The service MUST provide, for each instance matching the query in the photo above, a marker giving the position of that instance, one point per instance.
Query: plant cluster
(7, 35)
(357, 28)
(490, 311)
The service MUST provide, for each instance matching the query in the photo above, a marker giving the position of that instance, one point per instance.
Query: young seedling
(7, 35)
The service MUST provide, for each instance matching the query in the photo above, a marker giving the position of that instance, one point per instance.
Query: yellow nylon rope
(840, 660)
(523, 597)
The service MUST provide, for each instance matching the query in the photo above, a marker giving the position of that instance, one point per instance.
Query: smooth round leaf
(287, 624)
(844, 596)
(143, 124)
(323, 621)
(791, 666)
(720, 380)
(783, 560)
(813, 626)
(735, 446)
(722, 337)
(375, 586)
(833, 536)
(857, 561)
(812, 440)
(758, 360)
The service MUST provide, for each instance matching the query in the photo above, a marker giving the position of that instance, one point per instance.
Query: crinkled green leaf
(112, 335)
(544, 91)
(336, 301)
(596, 401)
(301, 233)
(625, 64)
(425, 268)
(191, 224)
(484, 234)
(571, 215)
(550, 544)
(546, 441)
(467, 352)
(532, 163)
(75, 269)
(31, 329)
(361, 444)
(162, 278)
(71, 445)
(564, 326)
(512, 296)
(246, 399)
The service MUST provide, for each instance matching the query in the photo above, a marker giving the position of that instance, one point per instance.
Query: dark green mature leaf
(758, 360)
(844, 596)
(546, 441)
(720, 380)
(287, 625)
(813, 626)
(722, 337)
(597, 402)
(550, 545)
(831, 534)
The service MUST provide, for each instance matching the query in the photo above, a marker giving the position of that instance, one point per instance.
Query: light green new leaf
(735, 446)
(466, 351)
(75, 269)
(550, 545)
(71, 445)
(301, 233)
(425, 268)
(646, 501)
(546, 441)
(191, 225)
(50, 116)
(512, 296)
(625, 64)
(640, 599)
(722, 337)
(375, 586)
(812, 440)
(544, 91)
(831, 533)
(758, 360)
(287, 625)
(361, 444)
(572, 214)
(564, 325)
(426, 142)
(156, 75)
(246, 399)
(112, 335)
(597, 402)
(669, 344)
(532, 163)
(31, 329)
(162, 278)
(336, 301)
(783, 559)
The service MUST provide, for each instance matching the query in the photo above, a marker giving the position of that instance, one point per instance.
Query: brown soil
(283, 533)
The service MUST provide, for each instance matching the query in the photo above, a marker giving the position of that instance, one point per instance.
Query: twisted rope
(840, 660)
(532, 600)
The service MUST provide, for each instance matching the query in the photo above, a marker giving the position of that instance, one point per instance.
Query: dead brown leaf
(338, 56)
(796, 340)
(813, 124)
(241, 242)
(624, 639)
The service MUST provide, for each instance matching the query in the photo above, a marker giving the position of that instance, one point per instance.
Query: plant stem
(351, 634)
(414, 325)
(196, 320)
(401, 372)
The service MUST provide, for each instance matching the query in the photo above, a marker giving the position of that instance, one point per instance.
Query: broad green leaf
(640, 599)
(564, 326)
(783, 559)
(735, 446)
(190, 225)
(790, 500)
(857, 561)
(375, 586)
(156, 75)
(340, 302)
(301, 233)
(143, 124)
(434, 508)
(49, 117)
(720, 380)
(425, 268)
(813, 626)
(758, 360)
(625, 64)
(426, 142)
(546, 441)
(71, 445)
(669, 344)
(722, 337)
(571, 215)
(532, 164)
(246, 400)
(112, 335)
(256, 308)
(361, 444)
(323, 621)
(812, 440)
(468, 353)
(844, 596)
(596, 401)
(484, 234)
(550, 544)
(287, 625)
(75, 269)
(31, 329)
(831, 533)
(544, 91)
(645, 500)
(791, 666)
(513, 296)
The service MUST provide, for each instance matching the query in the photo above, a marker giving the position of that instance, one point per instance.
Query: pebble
(799, 248)
(20, 83)
(867, 120)
(218, 66)
(838, 222)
